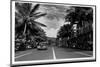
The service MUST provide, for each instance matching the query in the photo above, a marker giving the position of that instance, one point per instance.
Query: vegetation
(80, 37)
(65, 31)
(80, 15)
(25, 25)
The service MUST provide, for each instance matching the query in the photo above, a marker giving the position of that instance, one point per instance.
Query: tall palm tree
(83, 17)
(79, 15)
(25, 16)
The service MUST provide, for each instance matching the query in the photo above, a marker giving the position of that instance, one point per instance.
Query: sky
(54, 18)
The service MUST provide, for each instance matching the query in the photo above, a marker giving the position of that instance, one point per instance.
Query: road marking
(83, 53)
(54, 56)
(22, 55)
(23, 52)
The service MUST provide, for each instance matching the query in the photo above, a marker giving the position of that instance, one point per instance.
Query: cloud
(51, 32)
(52, 28)
(54, 18)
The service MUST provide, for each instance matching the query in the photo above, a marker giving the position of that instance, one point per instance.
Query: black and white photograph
(44, 32)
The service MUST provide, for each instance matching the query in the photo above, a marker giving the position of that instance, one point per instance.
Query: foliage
(26, 28)
(83, 18)
(65, 31)
(80, 14)
(25, 16)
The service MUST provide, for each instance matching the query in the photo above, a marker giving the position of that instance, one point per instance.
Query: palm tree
(65, 31)
(83, 17)
(80, 15)
(25, 16)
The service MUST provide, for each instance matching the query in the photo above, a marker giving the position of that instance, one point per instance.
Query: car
(42, 46)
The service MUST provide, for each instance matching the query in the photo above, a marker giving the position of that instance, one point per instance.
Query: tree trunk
(24, 29)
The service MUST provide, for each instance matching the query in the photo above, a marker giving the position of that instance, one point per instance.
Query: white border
(49, 61)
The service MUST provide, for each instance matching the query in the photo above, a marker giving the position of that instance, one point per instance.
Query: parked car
(42, 46)
(30, 44)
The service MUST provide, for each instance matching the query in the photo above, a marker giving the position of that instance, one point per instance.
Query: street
(53, 52)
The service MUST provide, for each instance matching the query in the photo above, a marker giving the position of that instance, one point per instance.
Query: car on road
(42, 46)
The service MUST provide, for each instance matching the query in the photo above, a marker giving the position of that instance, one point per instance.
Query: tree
(25, 16)
(80, 15)
(83, 17)
(65, 31)
(25, 24)
(64, 34)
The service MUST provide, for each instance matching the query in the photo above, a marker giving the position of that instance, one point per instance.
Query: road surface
(53, 52)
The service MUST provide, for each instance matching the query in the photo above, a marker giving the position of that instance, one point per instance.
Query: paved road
(53, 52)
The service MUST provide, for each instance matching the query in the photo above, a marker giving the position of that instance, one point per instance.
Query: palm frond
(31, 15)
(26, 16)
(38, 16)
(19, 8)
(17, 15)
(18, 20)
(35, 8)
(27, 8)
(38, 23)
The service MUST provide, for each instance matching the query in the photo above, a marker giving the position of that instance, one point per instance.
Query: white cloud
(53, 13)
(51, 32)
(52, 27)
